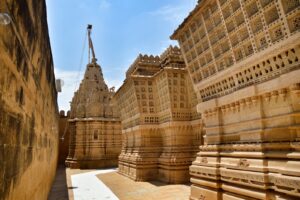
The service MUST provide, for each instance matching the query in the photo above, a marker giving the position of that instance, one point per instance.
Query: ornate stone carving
(169, 131)
(259, 68)
(283, 93)
(95, 127)
(267, 97)
(243, 163)
(274, 95)
(204, 160)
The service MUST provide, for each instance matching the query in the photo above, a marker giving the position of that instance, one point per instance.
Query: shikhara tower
(94, 122)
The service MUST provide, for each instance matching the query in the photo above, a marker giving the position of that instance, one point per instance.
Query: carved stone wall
(28, 136)
(243, 57)
(94, 124)
(160, 126)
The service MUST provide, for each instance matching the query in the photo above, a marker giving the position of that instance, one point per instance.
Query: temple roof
(93, 98)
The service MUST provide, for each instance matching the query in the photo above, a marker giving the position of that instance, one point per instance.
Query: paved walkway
(59, 190)
(127, 189)
(87, 186)
(107, 184)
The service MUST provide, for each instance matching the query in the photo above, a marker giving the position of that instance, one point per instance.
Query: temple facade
(161, 129)
(243, 58)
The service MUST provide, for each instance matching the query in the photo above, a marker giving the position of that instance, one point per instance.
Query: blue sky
(121, 30)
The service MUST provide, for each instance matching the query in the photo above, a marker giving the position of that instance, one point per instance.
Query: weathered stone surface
(160, 126)
(243, 57)
(94, 125)
(28, 137)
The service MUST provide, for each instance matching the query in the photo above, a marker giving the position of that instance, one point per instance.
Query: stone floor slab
(108, 184)
(86, 186)
(127, 189)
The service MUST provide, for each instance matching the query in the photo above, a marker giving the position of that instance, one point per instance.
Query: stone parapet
(149, 62)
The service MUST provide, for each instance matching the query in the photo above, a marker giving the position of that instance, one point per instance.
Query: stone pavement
(107, 184)
(86, 186)
(59, 190)
(127, 189)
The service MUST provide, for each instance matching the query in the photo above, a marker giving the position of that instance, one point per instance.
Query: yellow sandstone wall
(64, 137)
(28, 108)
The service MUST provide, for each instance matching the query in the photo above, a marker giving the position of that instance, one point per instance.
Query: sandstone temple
(215, 118)
(243, 58)
(94, 125)
(161, 129)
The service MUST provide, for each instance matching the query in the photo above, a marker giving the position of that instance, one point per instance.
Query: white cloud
(174, 14)
(114, 83)
(104, 4)
(71, 81)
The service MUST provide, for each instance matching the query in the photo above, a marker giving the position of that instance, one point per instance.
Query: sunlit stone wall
(161, 129)
(243, 58)
(28, 108)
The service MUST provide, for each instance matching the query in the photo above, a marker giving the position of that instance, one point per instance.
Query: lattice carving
(277, 34)
(252, 9)
(265, 2)
(257, 73)
(235, 5)
(290, 5)
(271, 15)
(294, 23)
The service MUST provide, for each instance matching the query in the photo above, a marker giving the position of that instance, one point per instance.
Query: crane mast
(91, 46)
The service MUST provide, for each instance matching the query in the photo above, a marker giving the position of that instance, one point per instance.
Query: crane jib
(91, 46)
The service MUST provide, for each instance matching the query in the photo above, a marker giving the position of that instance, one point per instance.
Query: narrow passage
(59, 190)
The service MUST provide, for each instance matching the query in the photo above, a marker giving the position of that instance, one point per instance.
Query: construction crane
(91, 46)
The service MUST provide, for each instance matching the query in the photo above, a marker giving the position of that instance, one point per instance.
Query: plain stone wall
(28, 106)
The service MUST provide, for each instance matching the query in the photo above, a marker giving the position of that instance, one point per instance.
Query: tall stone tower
(160, 126)
(94, 122)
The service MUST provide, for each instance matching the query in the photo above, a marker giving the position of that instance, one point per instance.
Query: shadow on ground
(59, 190)
(127, 189)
